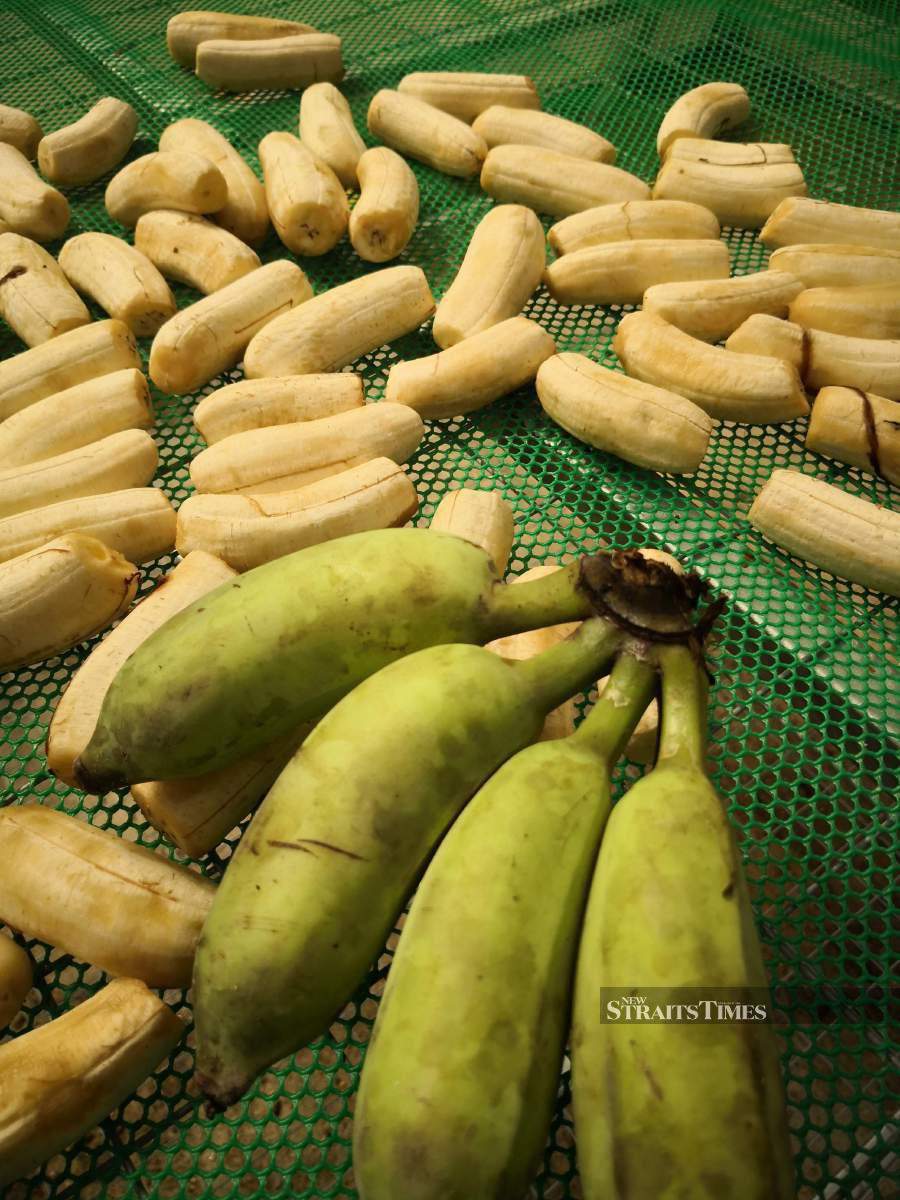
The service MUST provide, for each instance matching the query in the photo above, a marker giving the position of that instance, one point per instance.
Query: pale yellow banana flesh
(765, 335)
(866, 312)
(421, 131)
(501, 125)
(620, 272)
(728, 386)
(846, 535)
(467, 94)
(713, 310)
(307, 203)
(742, 196)
(165, 179)
(192, 250)
(872, 364)
(82, 152)
(248, 530)
(800, 219)
(703, 112)
(20, 129)
(36, 299)
(281, 458)
(827, 264)
(483, 518)
(472, 373)
(186, 30)
(632, 219)
(385, 215)
(79, 706)
(729, 154)
(643, 424)
(210, 336)
(259, 403)
(555, 183)
(327, 131)
(56, 595)
(28, 205)
(15, 978)
(859, 428)
(501, 269)
(119, 278)
(341, 325)
(294, 61)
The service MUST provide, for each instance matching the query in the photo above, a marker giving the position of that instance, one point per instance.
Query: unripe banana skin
(119, 278)
(483, 518)
(293, 61)
(165, 179)
(868, 312)
(501, 125)
(711, 311)
(467, 94)
(28, 205)
(425, 133)
(80, 153)
(327, 130)
(800, 219)
(15, 979)
(193, 250)
(767, 335)
(20, 129)
(307, 203)
(664, 219)
(36, 300)
(260, 403)
(58, 594)
(832, 265)
(385, 215)
(186, 30)
(472, 373)
(559, 184)
(63, 1077)
(703, 112)
(620, 272)
(742, 196)
(500, 271)
(858, 428)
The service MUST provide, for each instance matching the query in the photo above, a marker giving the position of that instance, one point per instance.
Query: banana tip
(94, 781)
(217, 1095)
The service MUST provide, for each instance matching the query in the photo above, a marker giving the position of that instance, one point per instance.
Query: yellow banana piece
(58, 594)
(294, 61)
(556, 183)
(186, 30)
(15, 979)
(730, 387)
(868, 312)
(385, 215)
(328, 132)
(283, 457)
(872, 364)
(210, 336)
(859, 428)
(827, 264)
(713, 310)
(703, 112)
(643, 424)
(307, 203)
(483, 518)
(502, 125)
(63, 1077)
(165, 179)
(192, 250)
(846, 535)
(249, 530)
(664, 219)
(80, 153)
(466, 94)
(259, 403)
(28, 205)
(244, 212)
(119, 278)
(72, 358)
(500, 271)
(620, 272)
(36, 300)
(767, 335)
(341, 325)
(426, 133)
(799, 219)
(20, 129)
(740, 195)
(729, 154)
(474, 372)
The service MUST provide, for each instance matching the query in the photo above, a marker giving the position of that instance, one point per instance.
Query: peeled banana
(555, 183)
(385, 215)
(466, 94)
(662, 219)
(426, 133)
(28, 205)
(82, 152)
(119, 278)
(341, 325)
(762, 334)
(292, 61)
(501, 269)
(193, 250)
(703, 112)
(165, 179)
(247, 531)
(729, 154)
(730, 387)
(15, 977)
(36, 300)
(210, 336)
(307, 203)
(800, 219)
(858, 428)
(20, 129)
(260, 403)
(872, 364)
(713, 310)
(501, 125)
(472, 373)
(186, 30)
(58, 594)
(741, 195)
(620, 272)
(279, 458)
(63, 1077)
(483, 518)
(328, 132)
(826, 264)
(868, 312)
(645, 425)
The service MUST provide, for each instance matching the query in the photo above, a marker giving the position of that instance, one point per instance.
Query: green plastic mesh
(804, 707)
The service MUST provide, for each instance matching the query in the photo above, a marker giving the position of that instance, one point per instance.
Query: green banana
(667, 1111)
(494, 925)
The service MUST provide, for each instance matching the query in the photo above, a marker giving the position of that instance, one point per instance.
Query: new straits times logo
(661, 1007)
(818, 1003)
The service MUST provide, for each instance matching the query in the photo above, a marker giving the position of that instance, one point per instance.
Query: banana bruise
(741, 195)
(713, 310)
(192, 250)
(165, 179)
(483, 518)
(473, 373)
(728, 386)
(729, 154)
(307, 203)
(58, 594)
(663, 219)
(28, 205)
(762, 334)
(555, 183)
(703, 112)
(209, 337)
(186, 30)
(16, 978)
(385, 215)
(646, 425)
(80, 153)
(870, 312)
(36, 300)
(282, 457)
(425, 133)
(20, 129)
(341, 325)
(327, 130)
(827, 264)
(799, 219)
(293, 61)
(248, 531)
(858, 428)
(500, 271)
(260, 403)
(502, 125)
(620, 272)
(467, 94)
(119, 278)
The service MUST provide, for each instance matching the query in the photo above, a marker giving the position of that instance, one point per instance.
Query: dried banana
(858, 428)
(20, 129)
(828, 264)
(15, 979)
(868, 312)
(193, 250)
(703, 112)
(501, 125)
(426, 133)
(306, 202)
(82, 152)
(762, 334)
(742, 196)
(119, 278)
(259, 403)
(555, 183)
(729, 154)
(186, 30)
(483, 518)
(632, 219)
(28, 205)
(802, 220)
(871, 364)
(713, 310)
(327, 131)
(620, 272)
(294, 61)
(466, 94)
(36, 300)
(385, 215)
(165, 179)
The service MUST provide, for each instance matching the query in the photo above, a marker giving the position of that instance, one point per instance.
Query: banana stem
(536, 603)
(609, 724)
(683, 735)
(571, 664)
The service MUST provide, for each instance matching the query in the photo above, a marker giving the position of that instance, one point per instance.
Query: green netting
(805, 697)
